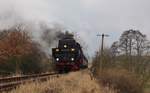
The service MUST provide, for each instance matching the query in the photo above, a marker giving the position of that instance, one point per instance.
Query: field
(75, 82)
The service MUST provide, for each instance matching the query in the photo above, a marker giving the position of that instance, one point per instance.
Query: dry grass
(147, 87)
(121, 80)
(76, 82)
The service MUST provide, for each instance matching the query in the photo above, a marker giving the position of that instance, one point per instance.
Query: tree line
(133, 48)
(20, 54)
(126, 61)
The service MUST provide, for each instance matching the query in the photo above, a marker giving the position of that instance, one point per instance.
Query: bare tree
(133, 42)
(115, 48)
(133, 48)
(141, 42)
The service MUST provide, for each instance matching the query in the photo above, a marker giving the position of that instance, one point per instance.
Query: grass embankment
(147, 88)
(120, 80)
(75, 82)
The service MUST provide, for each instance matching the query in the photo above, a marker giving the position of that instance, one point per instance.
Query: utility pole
(101, 49)
(102, 42)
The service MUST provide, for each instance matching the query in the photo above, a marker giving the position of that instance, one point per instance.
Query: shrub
(19, 53)
(120, 80)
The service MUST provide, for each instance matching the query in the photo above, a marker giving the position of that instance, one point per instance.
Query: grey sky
(86, 17)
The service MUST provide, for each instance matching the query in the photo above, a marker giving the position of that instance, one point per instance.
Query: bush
(19, 53)
(120, 80)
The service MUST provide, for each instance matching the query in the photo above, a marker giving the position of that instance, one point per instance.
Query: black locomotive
(68, 56)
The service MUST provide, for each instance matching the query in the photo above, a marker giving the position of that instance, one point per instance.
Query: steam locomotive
(68, 56)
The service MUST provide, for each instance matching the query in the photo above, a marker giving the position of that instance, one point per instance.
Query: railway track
(9, 83)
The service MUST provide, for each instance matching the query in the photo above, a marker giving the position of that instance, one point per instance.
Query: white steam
(38, 16)
(31, 15)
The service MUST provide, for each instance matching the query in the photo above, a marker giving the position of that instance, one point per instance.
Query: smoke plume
(38, 17)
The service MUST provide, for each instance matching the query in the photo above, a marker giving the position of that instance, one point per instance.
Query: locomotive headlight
(65, 46)
(72, 59)
(57, 50)
(72, 49)
(57, 59)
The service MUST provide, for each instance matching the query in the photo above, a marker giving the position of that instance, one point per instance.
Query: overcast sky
(86, 17)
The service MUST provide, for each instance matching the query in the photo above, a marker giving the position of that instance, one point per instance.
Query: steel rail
(23, 77)
(9, 83)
